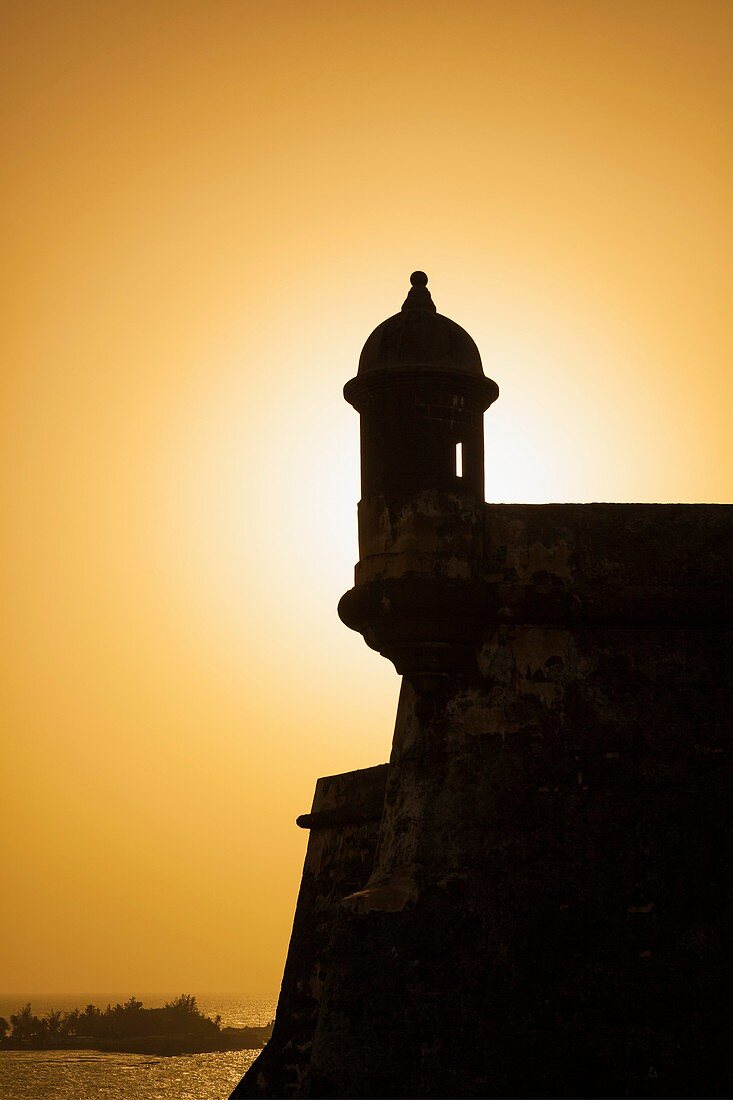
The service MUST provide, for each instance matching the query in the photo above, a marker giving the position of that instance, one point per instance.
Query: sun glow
(207, 210)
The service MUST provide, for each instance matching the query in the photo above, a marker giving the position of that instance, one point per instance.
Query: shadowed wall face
(547, 907)
(409, 442)
(344, 824)
(563, 829)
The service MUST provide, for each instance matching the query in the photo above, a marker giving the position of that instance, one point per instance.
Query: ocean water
(90, 1074)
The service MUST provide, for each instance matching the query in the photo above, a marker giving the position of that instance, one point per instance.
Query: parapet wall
(344, 823)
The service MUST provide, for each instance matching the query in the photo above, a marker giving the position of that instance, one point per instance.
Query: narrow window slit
(459, 460)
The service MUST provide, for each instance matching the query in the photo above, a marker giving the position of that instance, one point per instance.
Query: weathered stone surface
(546, 908)
(340, 855)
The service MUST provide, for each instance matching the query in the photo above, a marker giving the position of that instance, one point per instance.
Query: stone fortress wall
(532, 898)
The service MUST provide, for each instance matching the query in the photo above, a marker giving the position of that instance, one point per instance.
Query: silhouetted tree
(26, 1026)
(89, 1022)
(185, 1005)
(179, 1017)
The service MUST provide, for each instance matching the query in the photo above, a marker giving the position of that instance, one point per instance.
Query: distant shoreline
(179, 1027)
(246, 1038)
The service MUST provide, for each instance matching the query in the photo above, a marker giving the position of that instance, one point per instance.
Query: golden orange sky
(206, 209)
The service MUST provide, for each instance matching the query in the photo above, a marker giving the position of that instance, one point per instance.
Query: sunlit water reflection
(83, 1074)
(91, 1075)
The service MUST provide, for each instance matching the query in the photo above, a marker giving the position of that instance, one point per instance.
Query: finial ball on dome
(418, 278)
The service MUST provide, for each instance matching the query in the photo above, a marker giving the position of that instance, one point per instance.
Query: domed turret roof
(420, 337)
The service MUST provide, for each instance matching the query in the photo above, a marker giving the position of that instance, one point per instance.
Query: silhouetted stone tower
(421, 393)
(531, 898)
